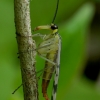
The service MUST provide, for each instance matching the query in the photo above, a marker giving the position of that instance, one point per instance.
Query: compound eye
(53, 27)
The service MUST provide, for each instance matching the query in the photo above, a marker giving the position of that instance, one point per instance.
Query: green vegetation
(74, 18)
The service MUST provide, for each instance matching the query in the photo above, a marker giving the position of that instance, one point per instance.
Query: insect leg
(39, 35)
(47, 60)
(16, 89)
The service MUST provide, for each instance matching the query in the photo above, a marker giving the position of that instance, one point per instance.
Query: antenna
(55, 11)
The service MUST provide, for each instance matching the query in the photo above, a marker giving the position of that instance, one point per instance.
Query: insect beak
(43, 27)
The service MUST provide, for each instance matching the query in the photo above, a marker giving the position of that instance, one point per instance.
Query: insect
(50, 47)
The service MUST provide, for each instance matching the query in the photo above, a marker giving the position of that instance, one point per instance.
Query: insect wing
(56, 75)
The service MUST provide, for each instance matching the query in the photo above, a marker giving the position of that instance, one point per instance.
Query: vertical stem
(26, 48)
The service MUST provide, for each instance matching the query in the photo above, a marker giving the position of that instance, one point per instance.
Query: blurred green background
(79, 27)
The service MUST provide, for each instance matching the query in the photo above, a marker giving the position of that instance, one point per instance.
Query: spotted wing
(56, 75)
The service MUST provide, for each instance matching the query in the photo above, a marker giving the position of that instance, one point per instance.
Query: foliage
(73, 18)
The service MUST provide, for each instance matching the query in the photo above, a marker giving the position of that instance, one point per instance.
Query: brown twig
(26, 47)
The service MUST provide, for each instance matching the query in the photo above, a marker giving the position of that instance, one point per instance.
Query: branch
(26, 49)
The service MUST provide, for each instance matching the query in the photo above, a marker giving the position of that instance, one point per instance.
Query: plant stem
(26, 49)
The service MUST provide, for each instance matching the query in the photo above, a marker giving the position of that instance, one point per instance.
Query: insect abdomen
(49, 70)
